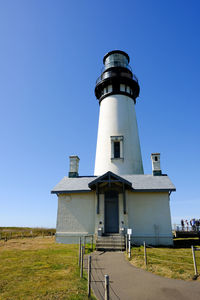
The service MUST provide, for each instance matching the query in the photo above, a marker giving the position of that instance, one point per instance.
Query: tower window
(122, 87)
(116, 149)
(156, 158)
(109, 88)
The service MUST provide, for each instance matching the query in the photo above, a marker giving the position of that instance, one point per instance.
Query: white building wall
(149, 217)
(123, 220)
(117, 117)
(75, 216)
(148, 214)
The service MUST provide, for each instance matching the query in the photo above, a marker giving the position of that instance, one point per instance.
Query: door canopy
(109, 180)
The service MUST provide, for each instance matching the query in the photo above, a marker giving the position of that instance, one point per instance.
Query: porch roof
(109, 177)
(140, 183)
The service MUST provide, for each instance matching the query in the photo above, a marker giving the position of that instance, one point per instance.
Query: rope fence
(86, 264)
(147, 257)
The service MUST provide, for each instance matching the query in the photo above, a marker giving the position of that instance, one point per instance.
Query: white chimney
(74, 164)
(155, 158)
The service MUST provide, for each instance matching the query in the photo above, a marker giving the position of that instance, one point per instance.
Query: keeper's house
(119, 196)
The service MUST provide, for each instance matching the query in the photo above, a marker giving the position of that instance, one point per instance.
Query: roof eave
(153, 190)
(132, 189)
(70, 191)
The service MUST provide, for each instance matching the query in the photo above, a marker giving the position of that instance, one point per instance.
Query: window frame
(119, 139)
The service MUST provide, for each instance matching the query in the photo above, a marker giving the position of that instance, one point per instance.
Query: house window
(117, 147)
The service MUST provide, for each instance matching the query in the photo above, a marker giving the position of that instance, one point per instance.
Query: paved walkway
(130, 283)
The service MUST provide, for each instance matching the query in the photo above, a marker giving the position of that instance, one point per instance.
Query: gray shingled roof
(139, 183)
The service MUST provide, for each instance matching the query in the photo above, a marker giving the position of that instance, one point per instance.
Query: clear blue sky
(51, 54)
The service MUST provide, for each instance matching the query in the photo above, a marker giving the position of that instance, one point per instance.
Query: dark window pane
(116, 149)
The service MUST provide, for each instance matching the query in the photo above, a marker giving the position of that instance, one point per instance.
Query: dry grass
(37, 268)
(168, 262)
(20, 232)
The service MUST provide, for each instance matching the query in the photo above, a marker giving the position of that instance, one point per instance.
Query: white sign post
(129, 232)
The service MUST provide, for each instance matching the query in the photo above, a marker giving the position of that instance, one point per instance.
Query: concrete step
(110, 248)
(110, 242)
(106, 238)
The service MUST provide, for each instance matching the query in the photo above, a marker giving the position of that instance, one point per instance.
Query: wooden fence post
(92, 242)
(129, 246)
(145, 255)
(81, 271)
(126, 244)
(89, 276)
(79, 256)
(194, 261)
(107, 287)
(84, 243)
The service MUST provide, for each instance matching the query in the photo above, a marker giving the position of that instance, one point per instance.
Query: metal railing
(179, 227)
(113, 74)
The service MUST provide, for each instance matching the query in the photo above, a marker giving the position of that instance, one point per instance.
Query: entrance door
(111, 212)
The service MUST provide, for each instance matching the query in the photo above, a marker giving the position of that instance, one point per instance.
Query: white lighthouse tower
(118, 145)
(120, 196)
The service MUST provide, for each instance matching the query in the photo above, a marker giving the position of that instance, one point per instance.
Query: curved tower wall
(117, 117)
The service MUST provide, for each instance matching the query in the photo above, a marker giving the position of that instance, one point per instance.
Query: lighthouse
(118, 145)
(119, 196)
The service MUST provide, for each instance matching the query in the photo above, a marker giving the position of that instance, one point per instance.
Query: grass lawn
(38, 268)
(174, 262)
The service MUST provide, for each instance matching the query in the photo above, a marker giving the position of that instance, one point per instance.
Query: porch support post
(97, 192)
(109, 180)
(124, 199)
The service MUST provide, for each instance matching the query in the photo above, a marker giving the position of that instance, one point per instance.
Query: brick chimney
(155, 158)
(73, 167)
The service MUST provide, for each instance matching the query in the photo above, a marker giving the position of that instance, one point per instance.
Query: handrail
(179, 227)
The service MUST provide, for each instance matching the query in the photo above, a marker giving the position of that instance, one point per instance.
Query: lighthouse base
(110, 204)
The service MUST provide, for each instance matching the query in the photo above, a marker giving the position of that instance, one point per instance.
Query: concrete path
(130, 283)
